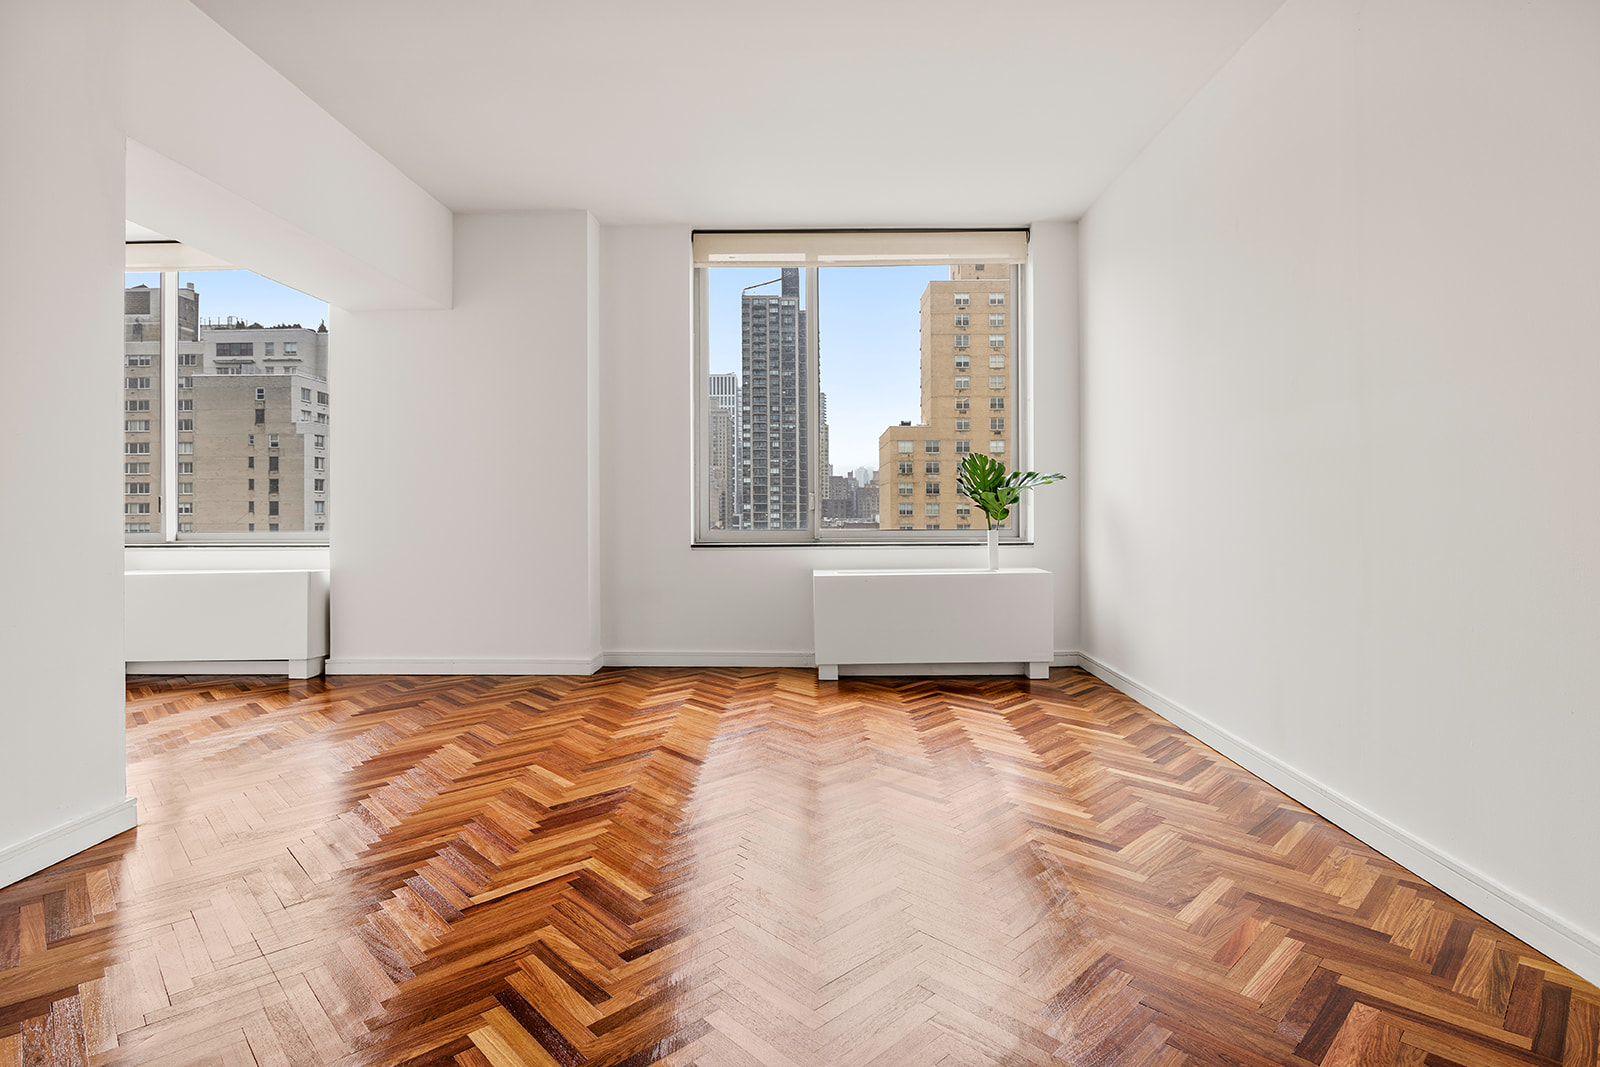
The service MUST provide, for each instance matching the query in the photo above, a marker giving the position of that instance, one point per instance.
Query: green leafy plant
(986, 482)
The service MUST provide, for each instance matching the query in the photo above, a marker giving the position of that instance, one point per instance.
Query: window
(136, 448)
(136, 405)
(932, 489)
(785, 438)
(906, 509)
(272, 485)
(272, 507)
(136, 426)
(997, 320)
(250, 462)
(272, 463)
(963, 425)
(272, 440)
(305, 396)
(997, 403)
(250, 508)
(138, 489)
(318, 484)
(132, 508)
(318, 439)
(997, 425)
(906, 488)
(997, 360)
(997, 447)
(318, 463)
(136, 527)
(963, 404)
(322, 398)
(997, 381)
(136, 383)
(136, 468)
(250, 484)
(997, 340)
(212, 357)
(305, 414)
(997, 299)
(930, 510)
(317, 507)
(320, 526)
(963, 447)
(906, 467)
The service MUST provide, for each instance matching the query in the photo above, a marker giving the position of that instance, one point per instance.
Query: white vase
(994, 549)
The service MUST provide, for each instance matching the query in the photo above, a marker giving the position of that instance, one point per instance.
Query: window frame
(166, 531)
(813, 532)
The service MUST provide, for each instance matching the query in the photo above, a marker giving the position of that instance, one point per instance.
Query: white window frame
(165, 530)
(810, 252)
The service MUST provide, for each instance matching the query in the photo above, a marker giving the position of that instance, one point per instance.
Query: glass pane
(758, 424)
(916, 370)
(252, 426)
(141, 406)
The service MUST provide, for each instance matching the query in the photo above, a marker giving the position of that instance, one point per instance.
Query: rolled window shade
(801, 249)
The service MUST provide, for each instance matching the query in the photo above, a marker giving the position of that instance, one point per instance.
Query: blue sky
(871, 362)
(245, 295)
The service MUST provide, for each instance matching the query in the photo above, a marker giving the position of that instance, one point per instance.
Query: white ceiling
(713, 113)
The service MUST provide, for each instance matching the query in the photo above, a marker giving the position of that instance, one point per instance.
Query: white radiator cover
(196, 621)
(933, 621)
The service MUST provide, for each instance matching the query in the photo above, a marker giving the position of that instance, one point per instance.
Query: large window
(829, 362)
(218, 366)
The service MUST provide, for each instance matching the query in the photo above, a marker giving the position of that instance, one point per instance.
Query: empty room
(899, 533)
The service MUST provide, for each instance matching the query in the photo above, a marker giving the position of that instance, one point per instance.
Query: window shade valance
(819, 249)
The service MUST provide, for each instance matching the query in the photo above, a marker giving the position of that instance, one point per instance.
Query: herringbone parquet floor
(737, 867)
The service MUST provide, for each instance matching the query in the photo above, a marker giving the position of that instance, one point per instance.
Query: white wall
(1340, 372)
(463, 539)
(667, 603)
(227, 155)
(62, 783)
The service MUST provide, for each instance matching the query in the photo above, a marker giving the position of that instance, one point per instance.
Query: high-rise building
(968, 374)
(722, 481)
(774, 466)
(251, 424)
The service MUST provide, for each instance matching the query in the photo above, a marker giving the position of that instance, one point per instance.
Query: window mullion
(167, 501)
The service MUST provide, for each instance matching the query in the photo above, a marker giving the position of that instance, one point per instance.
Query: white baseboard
(293, 668)
(349, 665)
(1546, 931)
(709, 659)
(1067, 658)
(28, 857)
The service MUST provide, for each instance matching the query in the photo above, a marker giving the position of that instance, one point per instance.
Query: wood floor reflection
(737, 867)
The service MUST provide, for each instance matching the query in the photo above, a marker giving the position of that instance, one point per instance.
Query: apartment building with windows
(249, 424)
(774, 460)
(968, 391)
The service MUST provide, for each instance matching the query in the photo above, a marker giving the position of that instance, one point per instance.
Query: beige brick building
(251, 425)
(968, 402)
